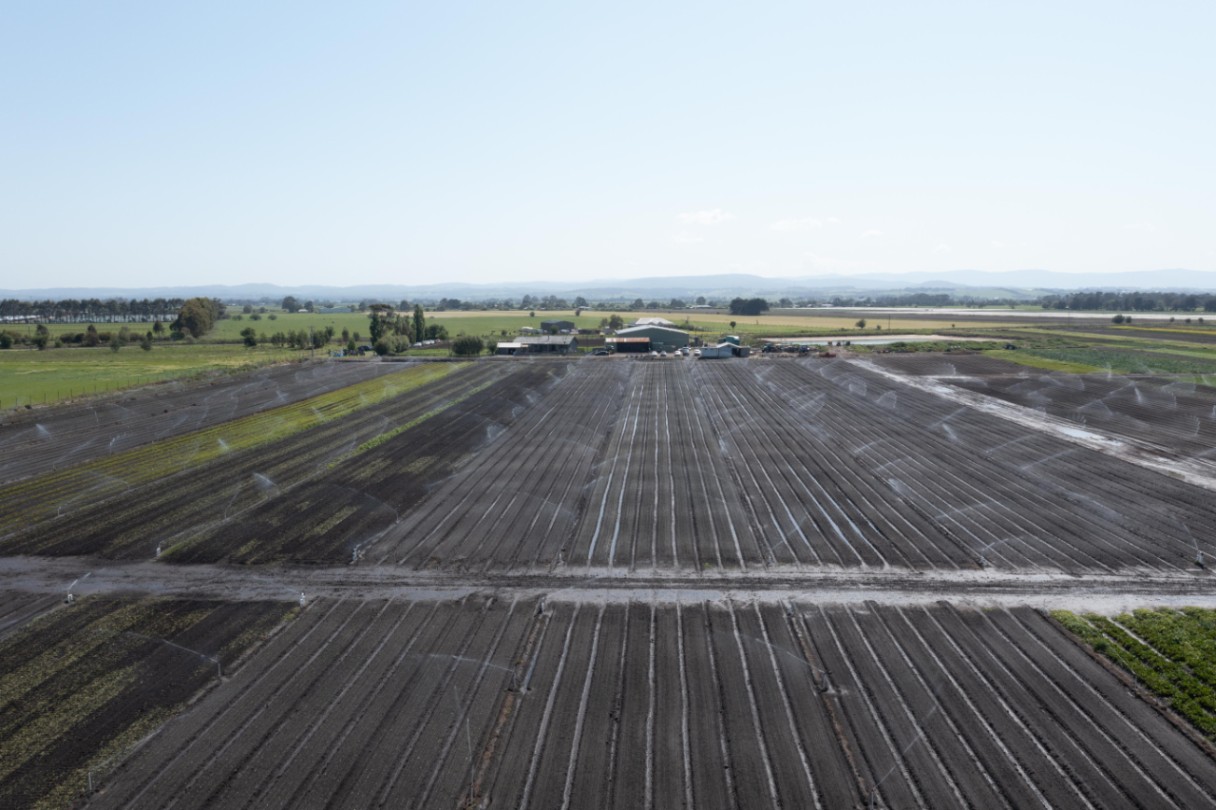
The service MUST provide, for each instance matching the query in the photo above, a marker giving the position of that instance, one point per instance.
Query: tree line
(83, 310)
(1113, 301)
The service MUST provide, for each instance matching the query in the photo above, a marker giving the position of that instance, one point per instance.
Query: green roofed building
(662, 338)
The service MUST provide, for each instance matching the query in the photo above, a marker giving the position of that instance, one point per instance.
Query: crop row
(360, 494)
(628, 466)
(139, 519)
(1171, 652)
(179, 453)
(1112, 512)
(520, 703)
(46, 440)
(83, 683)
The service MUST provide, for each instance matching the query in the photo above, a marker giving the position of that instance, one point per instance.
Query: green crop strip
(124, 471)
(376, 441)
(1172, 653)
(1131, 359)
(1032, 359)
(117, 659)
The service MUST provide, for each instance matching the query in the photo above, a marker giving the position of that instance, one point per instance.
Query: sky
(145, 143)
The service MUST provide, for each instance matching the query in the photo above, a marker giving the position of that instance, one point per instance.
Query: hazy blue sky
(145, 142)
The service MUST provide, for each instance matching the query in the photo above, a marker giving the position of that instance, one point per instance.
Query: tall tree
(197, 316)
(377, 320)
(419, 322)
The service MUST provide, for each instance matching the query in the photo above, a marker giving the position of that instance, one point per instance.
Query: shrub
(468, 346)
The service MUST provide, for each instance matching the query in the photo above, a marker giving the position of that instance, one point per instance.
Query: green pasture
(229, 329)
(31, 377)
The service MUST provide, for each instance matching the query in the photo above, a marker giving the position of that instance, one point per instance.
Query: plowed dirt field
(617, 583)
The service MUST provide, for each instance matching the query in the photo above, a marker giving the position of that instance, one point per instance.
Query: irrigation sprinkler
(158, 549)
(303, 601)
(825, 685)
(70, 598)
(215, 659)
(1199, 561)
(872, 804)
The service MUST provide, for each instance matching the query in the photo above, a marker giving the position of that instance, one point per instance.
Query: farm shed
(653, 322)
(628, 344)
(721, 350)
(553, 327)
(506, 348)
(548, 344)
(661, 338)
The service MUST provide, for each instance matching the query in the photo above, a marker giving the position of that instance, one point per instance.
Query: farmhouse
(556, 327)
(659, 338)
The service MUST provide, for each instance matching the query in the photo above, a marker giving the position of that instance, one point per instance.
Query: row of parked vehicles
(795, 348)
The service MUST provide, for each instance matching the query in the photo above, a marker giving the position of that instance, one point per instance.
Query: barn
(547, 344)
(661, 338)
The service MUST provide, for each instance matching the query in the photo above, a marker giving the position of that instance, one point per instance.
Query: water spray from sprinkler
(70, 598)
(1199, 561)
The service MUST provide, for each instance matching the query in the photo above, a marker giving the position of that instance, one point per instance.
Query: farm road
(39, 578)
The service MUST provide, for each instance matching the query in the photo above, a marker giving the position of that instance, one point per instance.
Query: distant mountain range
(1019, 284)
